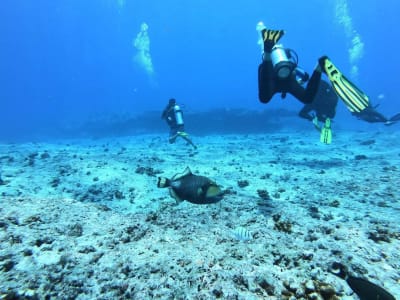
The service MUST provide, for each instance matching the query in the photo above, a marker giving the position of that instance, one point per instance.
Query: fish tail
(163, 182)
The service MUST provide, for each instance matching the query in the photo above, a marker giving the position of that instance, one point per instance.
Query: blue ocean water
(65, 62)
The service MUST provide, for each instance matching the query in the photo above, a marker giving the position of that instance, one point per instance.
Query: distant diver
(371, 115)
(279, 73)
(193, 188)
(324, 107)
(364, 289)
(174, 117)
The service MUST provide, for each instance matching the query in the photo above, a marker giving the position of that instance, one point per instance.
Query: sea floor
(84, 219)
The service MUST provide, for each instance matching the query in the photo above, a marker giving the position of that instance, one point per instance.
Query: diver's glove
(270, 38)
(301, 76)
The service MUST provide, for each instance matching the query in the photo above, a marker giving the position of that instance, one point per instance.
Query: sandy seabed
(83, 219)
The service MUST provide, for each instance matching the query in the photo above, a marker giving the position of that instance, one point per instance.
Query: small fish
(364, 289)
(242, 234)
(193, 188)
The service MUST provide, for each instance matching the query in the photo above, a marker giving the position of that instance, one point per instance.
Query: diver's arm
(166, 112)
(301, 75)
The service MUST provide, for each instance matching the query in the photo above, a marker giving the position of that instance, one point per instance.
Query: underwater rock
(309, 286)
(283, 226)
(367, 142)
(87, 249)
(41, 241)
(32, 219)
(149, 171)
(382, 235)
(217, 292)
(326, 290)
(263, 194)
(55, 182)
(75, 230)
(267, 287)
(27, 252)
(360, 157)
(45, 155)
(240, 281)
(242, 183)
(3, 225)
(7, 265)
(334, 203)
(119, 195)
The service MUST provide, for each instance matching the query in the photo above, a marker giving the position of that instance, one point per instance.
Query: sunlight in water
(259, 27)
(121, 3)
(142, 45)
(356, 48)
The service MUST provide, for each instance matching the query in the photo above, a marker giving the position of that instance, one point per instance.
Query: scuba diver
(279, 72)
(324, 106)
(324, 110)
(371, 115)
(174, 117)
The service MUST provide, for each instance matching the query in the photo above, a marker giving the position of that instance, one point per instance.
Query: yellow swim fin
(271, 35)
(326, 132)
(182, 133)
(352, 96)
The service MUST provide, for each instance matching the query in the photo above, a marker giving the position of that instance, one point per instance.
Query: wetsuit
(269, 83)
(324, 104)
(176, 129)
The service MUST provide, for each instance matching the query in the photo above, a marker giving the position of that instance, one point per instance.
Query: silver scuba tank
(178, 115)
(283, 64)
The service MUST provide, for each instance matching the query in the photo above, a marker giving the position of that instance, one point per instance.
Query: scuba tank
(284, 61)
(178, 115)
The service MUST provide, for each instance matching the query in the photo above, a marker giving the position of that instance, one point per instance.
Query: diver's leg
(173, 134)
(395, 118)
(266, 82)
(187, 139)
(305, 112)
(376, 117)
(313, 83)
(181, 132)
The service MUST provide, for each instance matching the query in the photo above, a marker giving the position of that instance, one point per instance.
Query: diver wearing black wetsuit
(371, 115)
(174, 118)
(279, 73)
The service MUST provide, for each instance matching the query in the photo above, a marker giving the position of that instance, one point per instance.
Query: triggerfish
(364, 289)
(193, 188)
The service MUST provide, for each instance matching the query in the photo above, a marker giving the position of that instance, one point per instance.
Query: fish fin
(186, 172)
(175, 196)
(163, 182)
